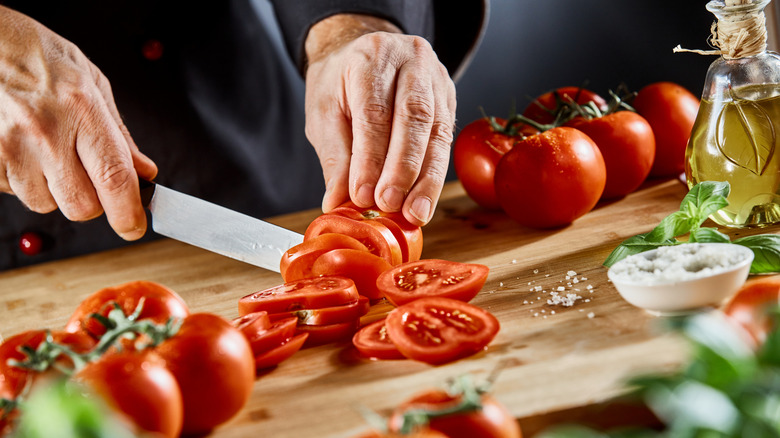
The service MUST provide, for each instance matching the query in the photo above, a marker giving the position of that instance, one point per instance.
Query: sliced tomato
(410, 237)
(437, 330)
(373, 342)
(252, 323)
(281, 353)
(362, 267)
(296, 261)
(379, 240)
(309, 293)
(328, 333)
(432, 278)
(277, 334)
(327, 315)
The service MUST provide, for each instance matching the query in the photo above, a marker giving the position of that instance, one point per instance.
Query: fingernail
(365, 195)
(393, 198)
(421, 208)
(133, 234)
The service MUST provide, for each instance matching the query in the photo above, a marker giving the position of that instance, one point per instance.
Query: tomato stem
(462, 387)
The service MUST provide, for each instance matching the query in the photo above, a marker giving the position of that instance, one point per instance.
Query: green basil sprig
(702, 200)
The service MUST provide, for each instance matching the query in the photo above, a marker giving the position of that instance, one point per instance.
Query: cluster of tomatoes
(571, 148)
(138, 347)
(354, 256)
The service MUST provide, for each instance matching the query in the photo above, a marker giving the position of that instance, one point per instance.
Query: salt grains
(676, 263)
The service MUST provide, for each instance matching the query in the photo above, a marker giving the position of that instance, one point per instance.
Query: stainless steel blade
(218, 229)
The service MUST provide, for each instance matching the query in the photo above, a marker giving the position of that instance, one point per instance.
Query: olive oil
(735, 139)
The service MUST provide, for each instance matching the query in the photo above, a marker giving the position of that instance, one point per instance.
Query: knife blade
(216, 228)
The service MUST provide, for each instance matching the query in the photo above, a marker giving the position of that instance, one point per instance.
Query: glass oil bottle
(737, 130)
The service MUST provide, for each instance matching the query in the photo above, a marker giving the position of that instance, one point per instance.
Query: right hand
(62, 142)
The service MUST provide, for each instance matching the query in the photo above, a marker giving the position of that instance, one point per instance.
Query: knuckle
(372, 158)
(113, 177)
(417, 109)
(375, 116)
(442, 135)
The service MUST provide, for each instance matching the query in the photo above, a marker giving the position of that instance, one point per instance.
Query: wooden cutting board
(554, 357)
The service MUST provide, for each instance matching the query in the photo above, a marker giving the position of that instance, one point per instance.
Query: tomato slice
(328, 333)
(409, 237)
(432, 278)
(309, 293)
(296, 261)
(373, 342)
(275, 335)
(252, 323)
(362, 267)
(327, 315)
(281, 353)
(437, 330)
(379, 240)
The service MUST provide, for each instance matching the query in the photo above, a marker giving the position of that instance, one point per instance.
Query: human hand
(380, 112)
(62, 142)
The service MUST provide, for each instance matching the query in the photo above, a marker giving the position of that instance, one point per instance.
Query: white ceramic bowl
(660, 292)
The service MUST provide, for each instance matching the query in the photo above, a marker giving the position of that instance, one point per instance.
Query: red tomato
(264, 339)
(627, 145)
(545, 107)
(361, 266)
(551, 179)
(139, 385)
(477, 150)
(409, 237)
(432, 278)
(437, 330)
(296, 261)
(327, 315)
(379, 239)
(328, 333)
(749, 307)
(213, 364)
(492, 421)
(252, 323)
(280, 353)
(14, 379)
(310, 293)
(160, 304)
(671, 110)
(373, 342)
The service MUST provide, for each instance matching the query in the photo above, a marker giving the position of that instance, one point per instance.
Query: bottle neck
(740, 31)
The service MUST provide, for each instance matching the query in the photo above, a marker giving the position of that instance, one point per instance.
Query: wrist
(332, 33)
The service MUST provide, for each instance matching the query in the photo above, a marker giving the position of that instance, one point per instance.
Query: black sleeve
(454, 32)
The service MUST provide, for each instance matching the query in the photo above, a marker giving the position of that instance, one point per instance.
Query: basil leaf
(634, 245)
(676, 224)
(708, 235)
(766, 251)
(705, 198)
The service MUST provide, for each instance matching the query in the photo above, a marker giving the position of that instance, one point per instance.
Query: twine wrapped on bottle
(737, 35)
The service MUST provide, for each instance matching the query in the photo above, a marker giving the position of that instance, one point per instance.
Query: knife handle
(147, 191)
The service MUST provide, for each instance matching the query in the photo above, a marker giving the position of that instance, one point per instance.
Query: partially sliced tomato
(362, 267)
(410, 237)
(379, 240)
(432, 278)
(437, 330)
(328, 333)
(296, 261)
(327, 315)
(309, 293)
(252, 323)
(373, 342)
(281, 353)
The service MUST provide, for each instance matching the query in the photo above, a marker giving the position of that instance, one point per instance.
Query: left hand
(380, 112)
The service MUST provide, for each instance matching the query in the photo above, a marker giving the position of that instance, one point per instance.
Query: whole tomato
(492, 420)
(160, 304)
(476, 152)
(544, 109)
(627, 144)
(671, 111)
(213, 364)
(749, 307)
(138, 385)
(551, 179)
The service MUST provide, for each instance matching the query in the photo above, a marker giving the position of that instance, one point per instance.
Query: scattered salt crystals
(514, 261)
(587, 300)
(575, 280)
(544, 311)
(677, 263)
(567, 301)
(582, 310)
(546, 275)
(536, 314)
(545, 316)
(536, 271)
(552, 312)
(583, 278)
(537, 288)
(501, 284)
(591, 315)
(589, 287)
(525, 301)
(571, 274)
(561, 289)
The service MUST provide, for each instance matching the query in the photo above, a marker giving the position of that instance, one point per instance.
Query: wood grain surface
(555, 357)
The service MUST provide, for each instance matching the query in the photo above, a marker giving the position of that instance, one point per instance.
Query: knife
(216, 228)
